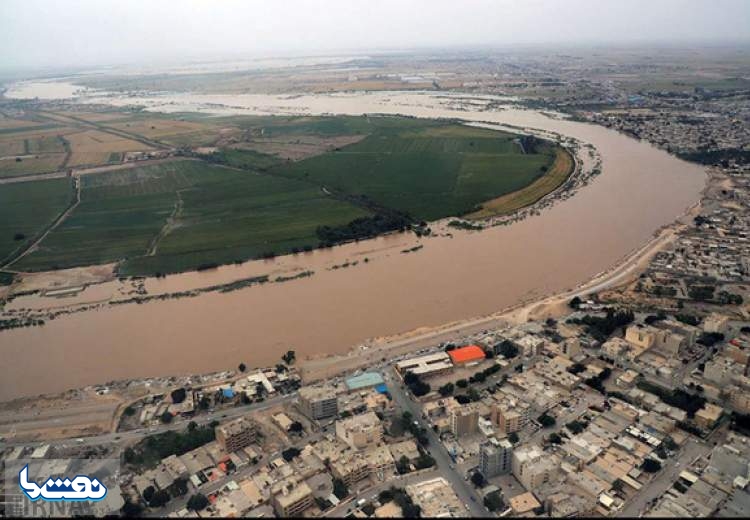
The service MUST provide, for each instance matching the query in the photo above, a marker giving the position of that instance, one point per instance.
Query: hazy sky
(87, 32)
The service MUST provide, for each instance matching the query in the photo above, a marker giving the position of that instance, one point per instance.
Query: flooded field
(640, 190)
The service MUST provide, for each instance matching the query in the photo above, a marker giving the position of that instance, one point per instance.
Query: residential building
(318, 402)
(495, 457)
(464, 421)
(360, 431)
(507, 421)
(236, 434)
(292, 499)
(533, 467)
(436, 498)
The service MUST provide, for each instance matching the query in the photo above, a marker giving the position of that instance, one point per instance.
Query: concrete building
(292, 499)
(236, 434)
(464, 421)
(533, 467)
(436, 498)
(318, 402)
(360, 431)
(495, 457)
(722, 370)
(430, 365)
(708, 416)
(507, 421)
(716, 323)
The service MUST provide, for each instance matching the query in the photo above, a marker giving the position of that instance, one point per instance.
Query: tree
(148, 493)
(403, 465)
(478, 480)
(159, 499)
(513, 437)
(650, 465)
(618, 485)
(192, 425)
(197, 502)
(555, 438)
(296, 427)
(166, 417)
(462, 383)
(368, 509)
(289, 357)
(507, 349)
(242, 367)
(575, 302)
(446, 389)
(178, 395)
(547, 421)
(340, 489)
(290, 453)
(494, 502)
(131, 509)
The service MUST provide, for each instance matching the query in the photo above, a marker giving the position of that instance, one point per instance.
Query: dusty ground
(71, 414)
(65, 278)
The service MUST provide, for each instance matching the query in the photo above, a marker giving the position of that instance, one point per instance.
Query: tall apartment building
(318, 402)
(292, 499)
(236, 434)
(495, 457)
(507, 421)
(464, 421)
(533, 467)
(360, 431)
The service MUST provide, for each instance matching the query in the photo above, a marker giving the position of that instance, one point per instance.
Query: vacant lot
(92, 147)
(26, 208)
(186, 213)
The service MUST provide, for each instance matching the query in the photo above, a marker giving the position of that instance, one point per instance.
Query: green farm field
(27, 208)
(184, 214)
(427, 171)
(239, 204)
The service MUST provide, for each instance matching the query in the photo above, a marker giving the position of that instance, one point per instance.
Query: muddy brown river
(640, 190)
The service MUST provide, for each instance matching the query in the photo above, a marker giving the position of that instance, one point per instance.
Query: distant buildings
(237, 434)
(318, 402)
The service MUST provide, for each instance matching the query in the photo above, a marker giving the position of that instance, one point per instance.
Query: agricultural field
(93, 147)
(185, 214)
(426, 170)
(555, 177)
(276, 185)
(27, 208)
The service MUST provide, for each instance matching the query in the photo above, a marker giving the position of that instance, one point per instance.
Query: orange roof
(466, 354)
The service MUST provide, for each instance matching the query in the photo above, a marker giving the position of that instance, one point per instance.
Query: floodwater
(640, 190)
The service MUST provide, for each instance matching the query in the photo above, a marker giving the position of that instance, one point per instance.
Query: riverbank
(452, 278)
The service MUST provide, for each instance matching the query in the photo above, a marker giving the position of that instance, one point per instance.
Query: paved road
(133, 435)
(665, 478)
(461, 487)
